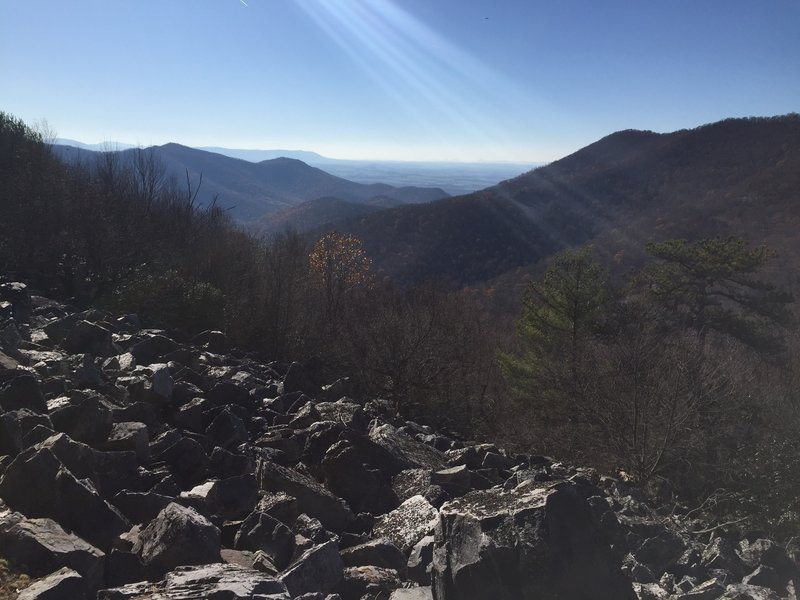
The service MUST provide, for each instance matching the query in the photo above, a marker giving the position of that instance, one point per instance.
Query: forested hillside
(735, 177)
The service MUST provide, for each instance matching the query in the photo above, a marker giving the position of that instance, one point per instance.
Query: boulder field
(137, 464)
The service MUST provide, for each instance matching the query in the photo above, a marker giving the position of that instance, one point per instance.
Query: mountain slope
(731, 177)
(310, 215)
(250, 190)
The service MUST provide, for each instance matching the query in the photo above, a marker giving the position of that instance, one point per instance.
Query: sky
(456, 80)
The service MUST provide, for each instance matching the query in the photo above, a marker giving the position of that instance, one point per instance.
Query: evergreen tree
(560, 316)
(713, 285)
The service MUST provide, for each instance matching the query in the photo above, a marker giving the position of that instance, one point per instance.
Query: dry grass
(11, 582)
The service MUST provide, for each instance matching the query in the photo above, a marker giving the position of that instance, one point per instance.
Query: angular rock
(83, 415)
(123, 567)
(661, 552)
(378, 553)
(15, 426)
(320, 437)
(22, 391)
(408, 523)
(88, 338)
(743, 591)
(417, 593)
(186, 458)
(132, 437)
(64, 584)
(151, 348)
(456, 481)
(318, 569)
(768, 577)
(524, 544)
(215, 581)
(213, 341)
(109, 472)
(720, 554)
(298, 380)
(227, 392)
(367, 581)
(768, 553)
(7, 362)
(420, 561)
(141, 507)
(312, 498)
(227, 430)
(41, 546)
(305, 417)
(178, 536)
(18, 295)
(650, 591)
(260, 531)
(161, 383)
(233, 497)
(281, 506)
(364, 489)
(38, 484)
(346, 413)
(410, 453)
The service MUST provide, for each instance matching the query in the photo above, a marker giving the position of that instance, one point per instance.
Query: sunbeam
(435, 82)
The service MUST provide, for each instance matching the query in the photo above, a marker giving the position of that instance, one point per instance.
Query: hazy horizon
(518, 81)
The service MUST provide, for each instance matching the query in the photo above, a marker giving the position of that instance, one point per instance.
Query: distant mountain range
(251, 190)
(734, 177)
(453, 177)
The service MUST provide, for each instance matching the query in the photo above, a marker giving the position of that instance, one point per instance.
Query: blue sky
(516, 80)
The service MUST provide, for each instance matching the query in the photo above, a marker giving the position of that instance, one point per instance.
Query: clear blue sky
(519, 80)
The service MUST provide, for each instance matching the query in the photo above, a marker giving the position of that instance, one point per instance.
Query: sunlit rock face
(526, 543)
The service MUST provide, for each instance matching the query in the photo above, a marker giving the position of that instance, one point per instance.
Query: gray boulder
(312, 498)
(178, 536)
(407, 451)
(367, 582)
(417, 593)
(297, 379)
(408, 523)
(64, 584)
(661, 552)
(39, 547)
(15, 426)
(22, 391)
(18, 296)
(260, 531)
(88, 338)
(218, 581)
(720, 554)
(420, 561)
(378, 553)
(318, 569)
(363, 488)
(743, 591)
(131, 437)
(151, 348)
(83, 415)
(38, 484)
(528, 543)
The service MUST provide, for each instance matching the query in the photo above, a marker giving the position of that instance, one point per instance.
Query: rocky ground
(138, 465)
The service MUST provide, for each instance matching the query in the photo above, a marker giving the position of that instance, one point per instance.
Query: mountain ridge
(627, 188)
(251, 190)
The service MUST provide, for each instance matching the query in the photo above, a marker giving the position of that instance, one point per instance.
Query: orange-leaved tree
(341, 264)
